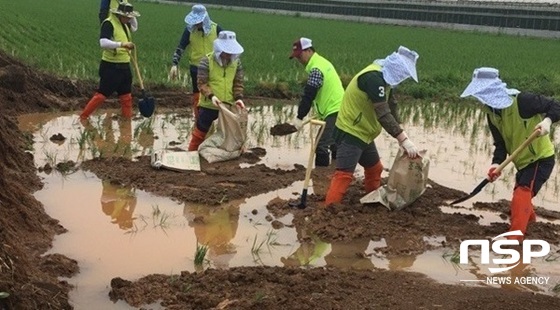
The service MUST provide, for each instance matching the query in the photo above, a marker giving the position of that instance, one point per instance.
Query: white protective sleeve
(108, 44)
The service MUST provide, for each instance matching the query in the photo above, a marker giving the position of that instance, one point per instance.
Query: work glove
(544, 126)
(296, 122)
(173, 72)
(410, 148)
(216, 101)
(493, 175)
(240, 104)
(407, 145)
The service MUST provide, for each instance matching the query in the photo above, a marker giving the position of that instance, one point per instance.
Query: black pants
(114, 77)
(535, 174)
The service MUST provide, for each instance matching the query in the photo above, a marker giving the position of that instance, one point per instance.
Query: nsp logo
(513, 254)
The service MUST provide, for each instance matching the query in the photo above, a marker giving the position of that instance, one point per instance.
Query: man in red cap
(323, 91)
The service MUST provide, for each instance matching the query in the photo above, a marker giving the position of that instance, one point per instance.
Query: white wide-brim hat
(125, 9)
(227, 43)
(488, 88)
(409, 59)
(399, 66)
(197, 15)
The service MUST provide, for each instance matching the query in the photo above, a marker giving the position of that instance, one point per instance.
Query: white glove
(173, 72)
(410, 148)
(544, 126)
(216, 101)
(296, 122)
(240, 104)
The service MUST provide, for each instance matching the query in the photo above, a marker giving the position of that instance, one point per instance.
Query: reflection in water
(119, 203)
(101, 138)
(215, 227)
(351, 254)
(308, 253)
(405, 246)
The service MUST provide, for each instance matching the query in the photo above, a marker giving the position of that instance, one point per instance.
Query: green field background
(62, 37)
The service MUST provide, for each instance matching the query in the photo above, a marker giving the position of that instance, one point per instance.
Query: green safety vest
(200, 45)
(220, 81)
(330, 95)
(357, 114)
(515, 130)
(120, 54)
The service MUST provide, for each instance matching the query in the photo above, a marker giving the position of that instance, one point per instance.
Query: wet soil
(33, 279)
(282, 129)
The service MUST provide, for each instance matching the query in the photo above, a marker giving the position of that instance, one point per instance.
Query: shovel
(146, 104)
(511, 157)
(303, 202)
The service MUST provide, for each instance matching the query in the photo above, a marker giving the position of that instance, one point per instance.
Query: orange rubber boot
(126, 105)
(196, 139)
(194, 101)
(372, 177)
(339, 184)
(93, 104)
(521, 211)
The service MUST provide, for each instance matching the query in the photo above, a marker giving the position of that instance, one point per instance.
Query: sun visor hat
(227, 43)
(126, 10)
(489, 89)
(197, 15)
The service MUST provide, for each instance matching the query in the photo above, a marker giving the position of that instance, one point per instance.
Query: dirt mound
(26, 231)
(24, 89)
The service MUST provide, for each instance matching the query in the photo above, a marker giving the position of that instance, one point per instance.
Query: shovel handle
(518, 150)
(133, 58)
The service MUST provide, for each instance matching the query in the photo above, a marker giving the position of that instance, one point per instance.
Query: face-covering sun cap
(488, 88)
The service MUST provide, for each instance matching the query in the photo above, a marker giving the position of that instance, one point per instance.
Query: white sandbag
(228, 141)
(175, 160)
(407, 181)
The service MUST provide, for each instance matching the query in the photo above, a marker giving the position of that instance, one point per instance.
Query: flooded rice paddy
(122, 231)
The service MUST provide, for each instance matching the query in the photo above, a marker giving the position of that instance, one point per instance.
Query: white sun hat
(125, 9)
(399, 66)
(488, 88)
(196, 15)
(227, 43)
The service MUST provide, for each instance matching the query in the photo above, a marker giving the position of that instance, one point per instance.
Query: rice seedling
(453, 257)
(556, 288)
(200, 254)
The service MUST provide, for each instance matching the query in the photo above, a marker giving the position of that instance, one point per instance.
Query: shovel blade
(146, 106)
(302, 204)
(475, 191)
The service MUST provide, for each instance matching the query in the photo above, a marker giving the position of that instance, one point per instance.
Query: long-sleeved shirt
(528, 105)
(183, 43)
(314, 83)
(203, 79)
(373, 84)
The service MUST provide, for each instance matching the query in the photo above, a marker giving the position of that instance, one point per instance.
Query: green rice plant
(4, 295)
(200, 254)
(447, 57)
(556, 288)
(50, 157)
(259, 297)
(453, 257)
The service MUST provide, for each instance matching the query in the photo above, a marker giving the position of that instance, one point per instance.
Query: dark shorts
(114, 77)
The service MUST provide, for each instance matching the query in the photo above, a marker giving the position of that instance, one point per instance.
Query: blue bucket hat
(197, 15)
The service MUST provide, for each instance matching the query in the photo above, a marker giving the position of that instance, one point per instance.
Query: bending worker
(324, 91)
(512, 117)
(364, 112)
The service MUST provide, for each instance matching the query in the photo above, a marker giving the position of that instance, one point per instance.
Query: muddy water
(121, 231)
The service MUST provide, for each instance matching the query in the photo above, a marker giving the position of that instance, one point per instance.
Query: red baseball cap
(299, 46)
